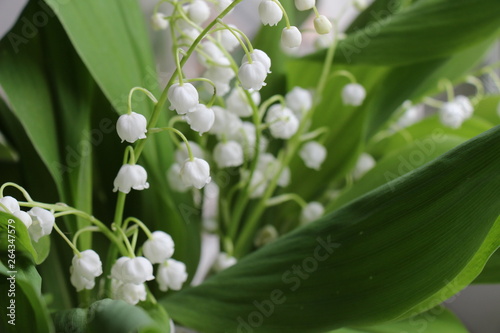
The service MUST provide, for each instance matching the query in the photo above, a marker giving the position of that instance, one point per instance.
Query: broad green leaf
(7, 153)
(488, 108)
(386, 7)
(491, 272)
(74, 320)
(31, 313)
(436, 320)
(426, 30)
(397, 251)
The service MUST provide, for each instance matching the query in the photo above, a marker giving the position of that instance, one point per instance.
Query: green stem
(140, 224)
(286, 197)
(179, 133)
(71, 245)
(287, 20)
(20, 188)
(145, 91)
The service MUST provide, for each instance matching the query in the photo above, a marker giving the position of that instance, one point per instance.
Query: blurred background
(477, 306)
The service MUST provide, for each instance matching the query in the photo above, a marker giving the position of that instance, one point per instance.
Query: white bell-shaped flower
(130, 293)
(182, 97)
(299, 100)
(210, 207)
(116, 269)
(171, 275)
(131, 177)
(228, 154)
(221, 5)
(196, 173)
(224, 261)
(353, 94)
(284, 179)
(282, 122)
(200, 118)
(412, 115)
(181, 154)
(24, 217)
(322, 25)
(159, 247)
(260, 56)
(238, 103)
(212, 55)
(269, 12)
(252, 75)
(291, 37)
(174, 178)
(313, 154)
(198, 11)
(131, 127)
(365, 163)
(225, 122)
(219, 74)
(258, 183)
(10, 203)
(227, 39)
(159, 22)
(87, 264)
(466, 105)
(268, 165)
(80, 282)
(313, 211)
(452, 114)
(43, 222)
(361, 5)
(304, 4)
(266, 235)
(136, 270)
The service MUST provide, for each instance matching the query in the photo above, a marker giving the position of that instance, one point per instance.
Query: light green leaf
(491, 272)
(397, 251)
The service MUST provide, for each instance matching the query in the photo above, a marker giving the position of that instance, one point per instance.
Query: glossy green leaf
(7, 153)
(397, 251)
(491, 272)
(436, 320)
(31, 313)
(426, 30)
(489, 109)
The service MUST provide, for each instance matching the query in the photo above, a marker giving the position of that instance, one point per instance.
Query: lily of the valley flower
(130, 293)
(158, 248)
(252, 75)
(291, 37)
(136, 270)
(353, 94)
(131, 177)
(225, 122)
(269, 12)
(260, 56)
(224, 261)
(87, 264)
(181, 154)
(304, 4)
(313, 154)
(238, 104)
(159, 22)
(364, 164)
(132, 127)
(171, 275)
(174, 178)
(198, 11)
(182, 97)
(195, 173)
(12, 206)
(228, 154)
(43, 222)
(313, 211)
(282, 122)
(299, 100)
(200, 118)
(322, 25)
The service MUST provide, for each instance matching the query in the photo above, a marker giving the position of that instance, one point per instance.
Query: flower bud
(291, 37)
(252, 75)
(196, 173)
(171, 275)
(282, 122)
(198, 11)
(43, 222)
(116, 269)
(361, 4)
(313, 211)
(200, 118)
(452, 115)
(182, 97)
(10, 203)
(266, 235)
(304, 4)
(412, 115)
(132, 127)
(225, 122)
(299, 100)
(181, 154)
(131, 293)
(364, 164)
(258, 183)
(131, 176)
(224, 261)
(465, 103)
(269, 12)
(80, 282)
(159, 247)
(260, 56)
(322, 25)
(136, 270)
(159, 22)
(313, 154)
(228, 154)
(353, 94)
(238, 103)
(87, 264)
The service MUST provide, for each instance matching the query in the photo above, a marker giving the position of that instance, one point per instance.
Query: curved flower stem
(345, 74)
(145, 91)
(446, 85)
(286, 197)
(263, 107)
(140, 224)
(180, 134)
(66, 239)
(20, 188)
(285, 15)
(248, 50)
(125, 239)
(128, 156)
(312, 135)
(478, 84)
(214, 94)
(81, 231)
